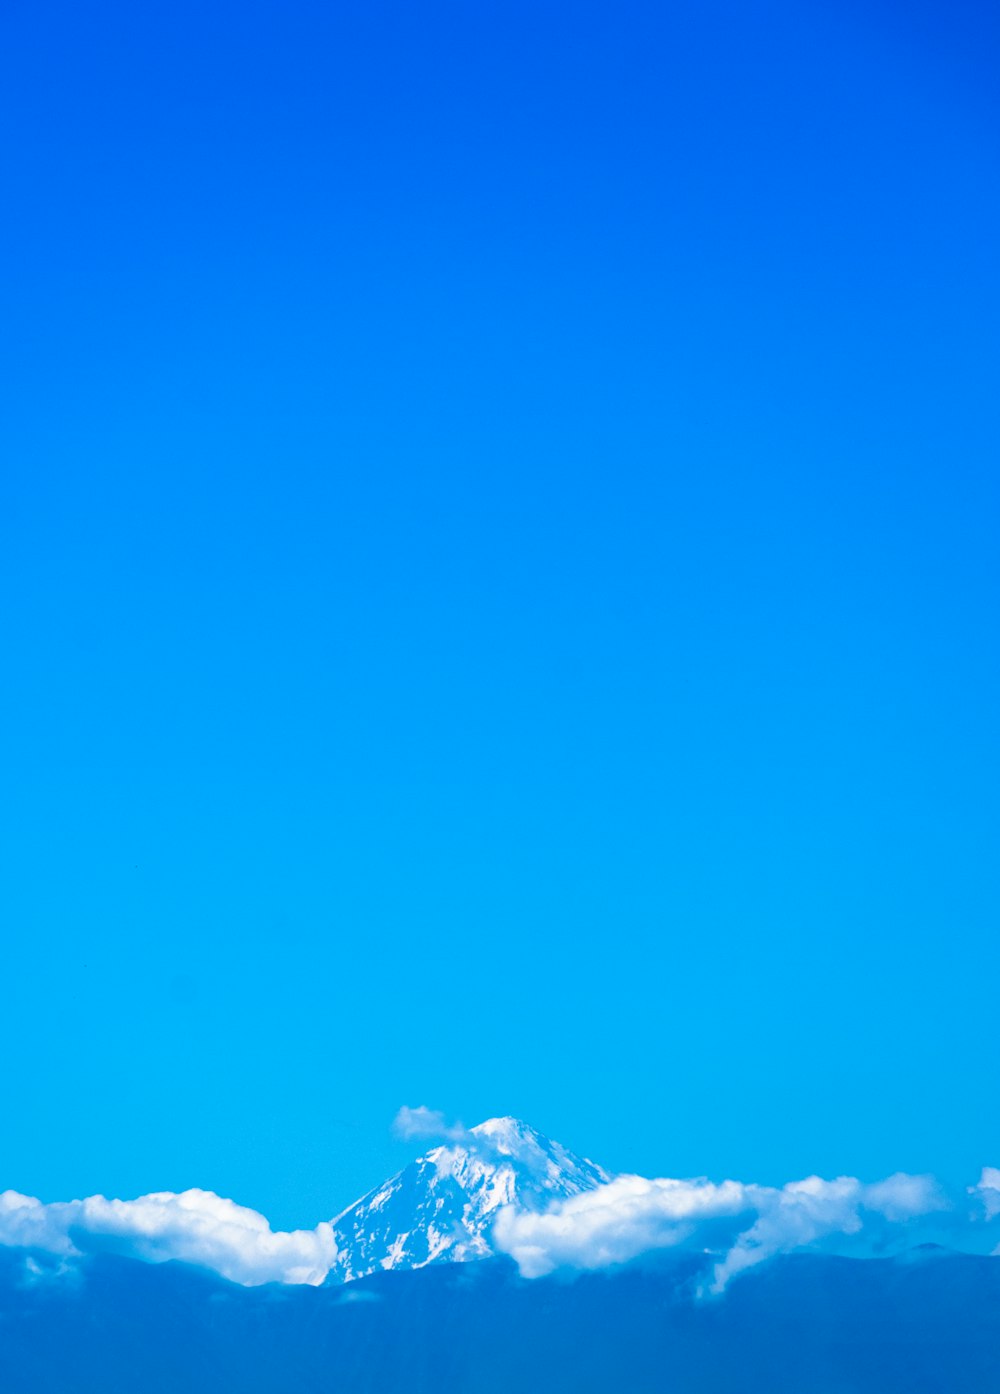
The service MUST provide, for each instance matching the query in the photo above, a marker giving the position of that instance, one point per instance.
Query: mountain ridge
(806, 1324)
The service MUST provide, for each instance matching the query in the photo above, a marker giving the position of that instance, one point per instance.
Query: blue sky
(499, 534)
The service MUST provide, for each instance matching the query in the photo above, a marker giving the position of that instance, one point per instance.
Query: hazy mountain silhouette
(807, 1324)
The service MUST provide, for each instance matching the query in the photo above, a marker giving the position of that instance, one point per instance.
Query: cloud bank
(737, 1226)
(193, 1226)
(744, 1225)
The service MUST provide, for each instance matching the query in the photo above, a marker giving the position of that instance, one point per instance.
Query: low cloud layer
(743, 1225)
(736, 1226)
(194, 1226)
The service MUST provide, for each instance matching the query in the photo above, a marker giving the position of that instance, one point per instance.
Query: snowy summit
(443, 1205)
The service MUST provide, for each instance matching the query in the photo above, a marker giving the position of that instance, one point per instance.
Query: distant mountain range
(442, 1206)
(805, 1324)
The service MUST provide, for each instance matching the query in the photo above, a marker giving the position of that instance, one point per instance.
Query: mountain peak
(493, 1127)
(509, 1134)
(443, 1205)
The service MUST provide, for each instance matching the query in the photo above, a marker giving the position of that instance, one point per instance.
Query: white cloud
(632, 1215)
(613, 1223)
(194, 1226)
(806, 1213)
(987, 1191)
(424, 1123)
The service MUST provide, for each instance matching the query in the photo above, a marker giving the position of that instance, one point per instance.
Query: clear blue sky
(499, 547)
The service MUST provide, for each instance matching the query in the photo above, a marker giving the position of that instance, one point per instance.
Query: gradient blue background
(500, 570)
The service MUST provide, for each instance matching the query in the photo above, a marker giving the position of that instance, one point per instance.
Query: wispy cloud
(987, 1191)
(428, 1124)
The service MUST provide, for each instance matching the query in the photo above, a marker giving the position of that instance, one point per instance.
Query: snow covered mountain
(443, 1205)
